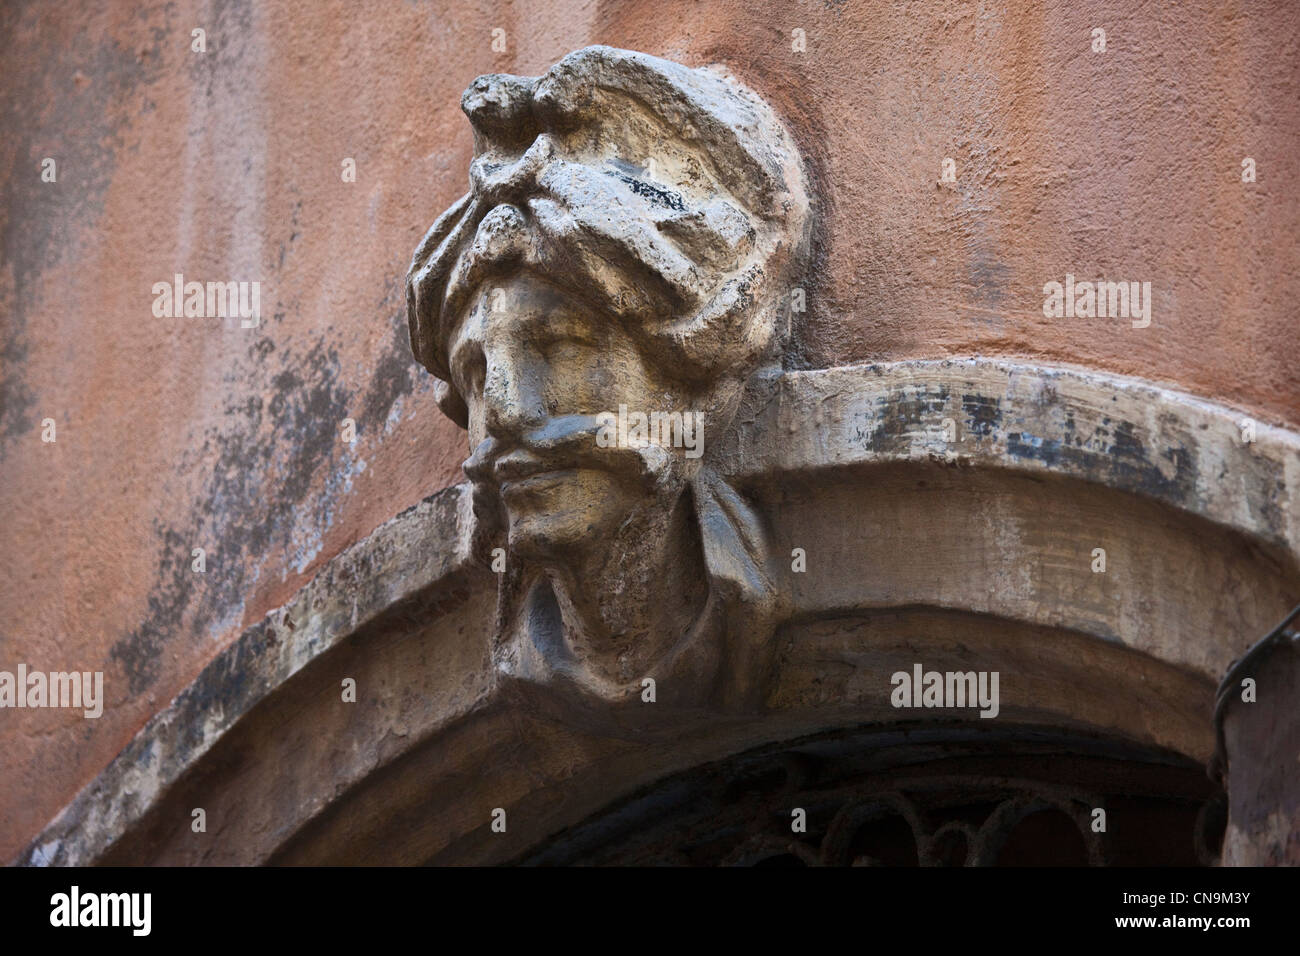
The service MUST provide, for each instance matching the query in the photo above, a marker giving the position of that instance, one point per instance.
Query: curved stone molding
(1162, 449)
(911, 544)
(396, 571)
(1124, 433)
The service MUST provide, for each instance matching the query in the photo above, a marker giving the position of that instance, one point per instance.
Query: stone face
(626, 252)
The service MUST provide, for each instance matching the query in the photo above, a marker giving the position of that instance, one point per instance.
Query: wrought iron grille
(927, 797)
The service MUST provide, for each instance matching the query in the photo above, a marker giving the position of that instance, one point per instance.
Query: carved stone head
(625, 255)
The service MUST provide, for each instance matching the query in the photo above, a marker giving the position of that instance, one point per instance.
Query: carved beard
(664, 478)
(735, 623)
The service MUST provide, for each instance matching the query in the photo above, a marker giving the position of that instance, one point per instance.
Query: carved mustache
(562, 443)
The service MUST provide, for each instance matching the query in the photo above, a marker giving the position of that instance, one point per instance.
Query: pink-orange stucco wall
(175, 434)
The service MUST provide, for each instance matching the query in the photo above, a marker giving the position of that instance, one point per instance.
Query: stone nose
(513, 391)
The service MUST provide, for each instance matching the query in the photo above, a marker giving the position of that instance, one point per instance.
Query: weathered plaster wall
(225, 165)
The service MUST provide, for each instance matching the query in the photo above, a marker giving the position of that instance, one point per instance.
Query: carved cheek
(477, 428)
(470, 386)
(572, 380)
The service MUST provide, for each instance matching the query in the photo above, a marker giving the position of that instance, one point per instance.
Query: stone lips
(701, 268)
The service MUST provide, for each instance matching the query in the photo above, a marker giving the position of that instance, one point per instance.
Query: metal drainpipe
(1257, 751)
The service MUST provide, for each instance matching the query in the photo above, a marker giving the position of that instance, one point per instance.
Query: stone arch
(961, 555)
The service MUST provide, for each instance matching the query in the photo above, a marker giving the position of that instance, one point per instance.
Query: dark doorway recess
(932, 796)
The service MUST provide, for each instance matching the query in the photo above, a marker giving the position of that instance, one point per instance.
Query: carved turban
(670, 199)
